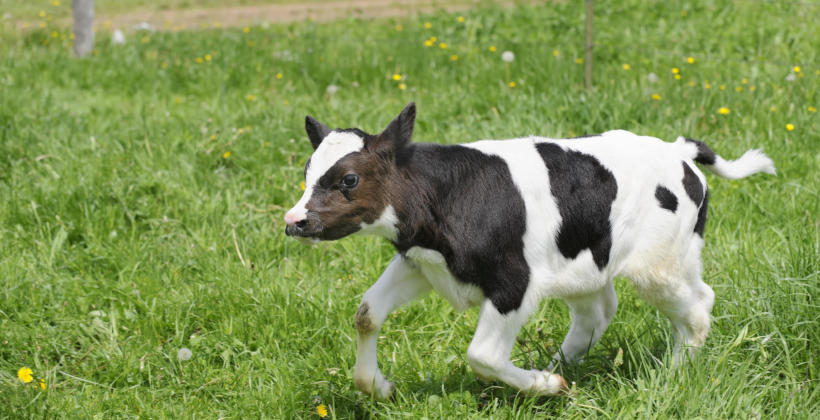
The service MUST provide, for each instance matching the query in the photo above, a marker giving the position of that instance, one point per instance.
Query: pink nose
(293, 218)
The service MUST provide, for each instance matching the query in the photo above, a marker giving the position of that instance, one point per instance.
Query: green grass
(121, 213)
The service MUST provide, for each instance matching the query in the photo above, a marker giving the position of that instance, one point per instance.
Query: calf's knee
(364, 319)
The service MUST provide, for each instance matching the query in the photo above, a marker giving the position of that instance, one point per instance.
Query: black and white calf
(505, 223)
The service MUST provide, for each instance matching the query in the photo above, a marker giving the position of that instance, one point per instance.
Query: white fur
(334, 147)
(432, 265)
(384, 226)
(752, 162)
(656, 248)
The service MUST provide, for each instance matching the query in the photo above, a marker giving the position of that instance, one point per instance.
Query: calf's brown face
(347, 179)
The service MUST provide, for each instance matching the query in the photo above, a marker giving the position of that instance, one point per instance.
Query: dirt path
(279, 13)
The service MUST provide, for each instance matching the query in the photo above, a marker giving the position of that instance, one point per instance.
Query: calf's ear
(400, 131)
(316, 131)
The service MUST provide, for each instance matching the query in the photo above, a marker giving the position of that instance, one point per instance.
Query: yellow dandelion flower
(145, 40)
(402, 86)
(690, 60)
(677, 77)
(692, 84)
(279, 75)
(396, 76)
(321, 410)
(434, 39)
(722, 87)
(626, 66)
(739, 88)
(250, 97)
(790, 127)
(177, 100)
(302, 185)
(251, 43)
(55, 34)
(752, 88)
(246, 29)
(724, 111)
(555, 53)
(25, 375)
(442, 45)
(454, 57)
(42, 384)
(217, 24)
(428, 25)
(675, 70)
(460, 19)
(55, 3)
(164, 64)
(511, 84)
(812, 109)
(199, 60)
(429, 42)
(107, 24)
(226, 155)
(796, 69)
(579, 60)
(42, 24)
(42, 13)
(399, 28)
(493, 48)
(773, 108)
(683, 13)
(207, 57)
(744, 81)
(656, 97)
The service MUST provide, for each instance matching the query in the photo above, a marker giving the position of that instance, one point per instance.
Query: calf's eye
(350, 181)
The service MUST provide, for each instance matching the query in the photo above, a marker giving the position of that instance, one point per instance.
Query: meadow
(143, 190)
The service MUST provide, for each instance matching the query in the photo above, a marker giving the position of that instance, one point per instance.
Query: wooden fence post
(83, 11)
(589, 45)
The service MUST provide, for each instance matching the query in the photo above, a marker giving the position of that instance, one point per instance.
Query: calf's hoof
(378, 387)
(548, 383)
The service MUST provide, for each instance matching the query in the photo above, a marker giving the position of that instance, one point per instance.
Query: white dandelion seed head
(791, 77)
(118, 38)
(184, 354)
(331, 89)
(652, 77)
(507, 56)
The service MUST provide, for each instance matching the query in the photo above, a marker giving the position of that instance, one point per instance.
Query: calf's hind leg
(591, 315)
(400, 283)
(489, 352)
(680, 293)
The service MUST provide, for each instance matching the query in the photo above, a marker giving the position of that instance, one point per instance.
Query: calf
(504, 223)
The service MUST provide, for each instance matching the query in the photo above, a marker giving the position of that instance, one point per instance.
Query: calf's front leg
(400, 283)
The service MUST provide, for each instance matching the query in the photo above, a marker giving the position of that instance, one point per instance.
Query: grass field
(143, 191)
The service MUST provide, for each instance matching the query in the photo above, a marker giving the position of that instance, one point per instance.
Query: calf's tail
(752, 162)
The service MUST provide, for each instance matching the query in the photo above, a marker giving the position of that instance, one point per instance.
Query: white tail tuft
(752, 162)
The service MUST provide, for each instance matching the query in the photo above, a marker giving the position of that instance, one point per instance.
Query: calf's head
(348, 179)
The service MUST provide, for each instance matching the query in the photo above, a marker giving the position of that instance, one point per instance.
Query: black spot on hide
(701, 222)
(692, 185)
(584, 191)
(463, 203)
(666, 198)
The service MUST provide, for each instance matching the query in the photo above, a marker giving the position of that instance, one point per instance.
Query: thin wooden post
(83, 11)
(589, 45)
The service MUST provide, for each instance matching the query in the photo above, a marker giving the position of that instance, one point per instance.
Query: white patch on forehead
(334, 147)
